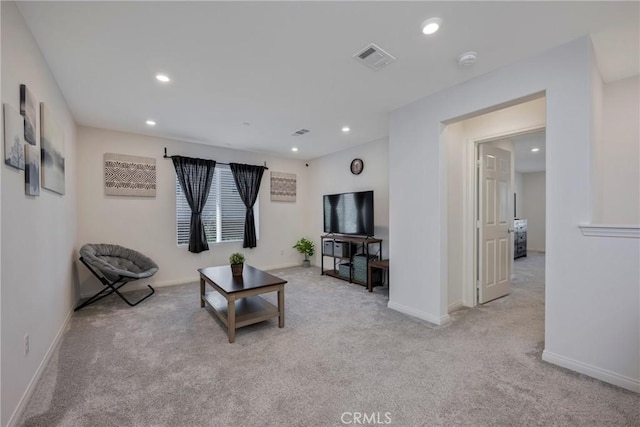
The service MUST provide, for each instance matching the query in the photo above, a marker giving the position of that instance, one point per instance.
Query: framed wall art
(51, 152)
(28, 111)
(283, 187)
(129, 175)
(31, 170)
(13, 137)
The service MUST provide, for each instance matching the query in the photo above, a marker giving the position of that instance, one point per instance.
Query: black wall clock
(357, 165)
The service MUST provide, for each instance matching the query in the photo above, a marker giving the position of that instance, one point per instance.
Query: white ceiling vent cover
(374, 57)
(300, 132)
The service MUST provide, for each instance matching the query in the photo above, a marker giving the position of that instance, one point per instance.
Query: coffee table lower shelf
(249, 310)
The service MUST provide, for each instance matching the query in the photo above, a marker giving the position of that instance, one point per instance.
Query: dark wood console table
(350, 256)
(382, 264)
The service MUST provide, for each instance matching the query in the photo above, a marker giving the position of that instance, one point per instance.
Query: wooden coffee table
(235, 299)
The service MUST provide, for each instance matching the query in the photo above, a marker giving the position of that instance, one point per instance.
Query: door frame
(470, 205)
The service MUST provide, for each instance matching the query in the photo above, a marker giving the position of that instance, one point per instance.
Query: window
(223, 215)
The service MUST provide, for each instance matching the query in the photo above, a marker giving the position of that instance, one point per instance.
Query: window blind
(222, 216)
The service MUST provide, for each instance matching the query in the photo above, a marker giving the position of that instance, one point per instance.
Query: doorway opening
(509, 127)
(512, 207)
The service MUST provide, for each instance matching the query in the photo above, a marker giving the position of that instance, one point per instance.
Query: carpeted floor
(167, 362)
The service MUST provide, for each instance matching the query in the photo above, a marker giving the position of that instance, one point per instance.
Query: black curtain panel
(248, 178)
(195, 176)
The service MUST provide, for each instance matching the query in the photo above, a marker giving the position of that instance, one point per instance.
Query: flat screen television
(349, 213)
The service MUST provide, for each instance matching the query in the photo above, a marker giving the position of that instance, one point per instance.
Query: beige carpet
(167, 362)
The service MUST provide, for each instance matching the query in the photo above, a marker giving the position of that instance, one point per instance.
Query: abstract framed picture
(283, 187)
(31, 170)
(51, 152)
(28, 111)
(129, 175)
(13, 137)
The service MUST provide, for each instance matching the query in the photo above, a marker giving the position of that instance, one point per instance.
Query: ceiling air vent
(374, 57)
(300, 132)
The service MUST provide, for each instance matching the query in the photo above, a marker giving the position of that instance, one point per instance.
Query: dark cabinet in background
(519, 238)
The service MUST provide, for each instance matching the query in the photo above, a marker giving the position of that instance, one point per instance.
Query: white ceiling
(526, 160)
(282, 66)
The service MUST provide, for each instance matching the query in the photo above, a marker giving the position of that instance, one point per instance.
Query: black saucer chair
(115, 266)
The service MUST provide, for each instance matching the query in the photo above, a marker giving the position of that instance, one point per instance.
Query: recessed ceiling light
(294, 148)
(346, 129)
(163, 78)
(535, 150)
(150, 122)
(431, 25)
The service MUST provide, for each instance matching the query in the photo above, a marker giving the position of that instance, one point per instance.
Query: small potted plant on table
(307, 248)
(237, 263)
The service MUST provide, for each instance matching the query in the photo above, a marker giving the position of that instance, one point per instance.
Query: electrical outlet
(26, 345)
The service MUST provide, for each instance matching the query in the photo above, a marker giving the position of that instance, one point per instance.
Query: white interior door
(494, 223)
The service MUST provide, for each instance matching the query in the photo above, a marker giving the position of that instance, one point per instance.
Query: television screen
(349, 213)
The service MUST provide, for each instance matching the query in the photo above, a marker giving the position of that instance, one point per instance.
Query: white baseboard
(22, 404)
(143, 285)
(455, 306)
(607, 376)
(539, 251)
(418, 313)
(280, 266)
(172, 282)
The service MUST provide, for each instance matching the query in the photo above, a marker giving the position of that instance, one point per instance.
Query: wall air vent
(374, 57)
(300, 132)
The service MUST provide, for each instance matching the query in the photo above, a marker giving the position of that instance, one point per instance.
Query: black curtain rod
(218, 163)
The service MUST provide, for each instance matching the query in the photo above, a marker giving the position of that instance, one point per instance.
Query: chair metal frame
(111, 287)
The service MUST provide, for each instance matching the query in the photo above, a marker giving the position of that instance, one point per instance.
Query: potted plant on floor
(237, 263)
(307, 248)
